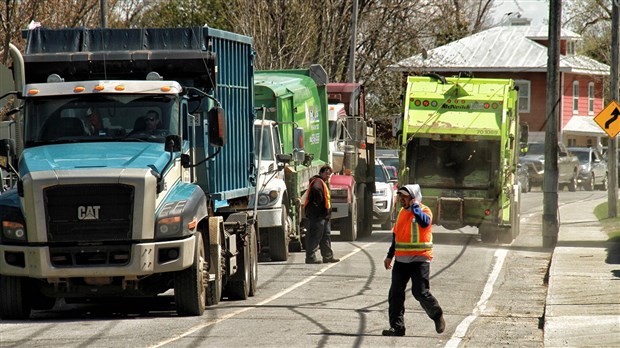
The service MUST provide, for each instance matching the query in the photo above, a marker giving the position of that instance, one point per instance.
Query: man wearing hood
(412, 246)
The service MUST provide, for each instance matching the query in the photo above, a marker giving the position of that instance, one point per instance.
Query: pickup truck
(592, 168)
(568, 165)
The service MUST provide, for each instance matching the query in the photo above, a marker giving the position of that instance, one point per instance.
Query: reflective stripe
(326, 193)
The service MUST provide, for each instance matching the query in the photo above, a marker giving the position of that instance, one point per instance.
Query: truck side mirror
(524, 134)
(283, 158)
(217, 127)
(298, 144)
(173, 143)
(7, 148)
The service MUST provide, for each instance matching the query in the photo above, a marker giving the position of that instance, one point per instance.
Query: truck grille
(89, 213)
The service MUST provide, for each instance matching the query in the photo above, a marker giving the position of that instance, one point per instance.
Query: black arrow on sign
(615, 115)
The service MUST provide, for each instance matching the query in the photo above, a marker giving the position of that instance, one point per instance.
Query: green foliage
(186, 13)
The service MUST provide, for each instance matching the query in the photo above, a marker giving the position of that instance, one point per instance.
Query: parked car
(384, 198)
(523, 177)
(592, 168)
(568, 165)
(389, 158)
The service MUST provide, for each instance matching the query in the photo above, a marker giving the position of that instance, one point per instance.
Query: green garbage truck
(459, 139)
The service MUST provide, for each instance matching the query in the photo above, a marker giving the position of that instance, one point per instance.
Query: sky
(536, 10)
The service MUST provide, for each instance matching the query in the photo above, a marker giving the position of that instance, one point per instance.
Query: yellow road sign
(609, 119)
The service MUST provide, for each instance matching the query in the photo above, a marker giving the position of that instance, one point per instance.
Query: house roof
(502, 48)
(583, 125)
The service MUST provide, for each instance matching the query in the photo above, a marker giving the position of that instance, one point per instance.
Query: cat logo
(90, 212)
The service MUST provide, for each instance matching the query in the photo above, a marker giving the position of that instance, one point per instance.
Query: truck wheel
(589, 184)
(348, 230)
(14, 300)
(572, 185)
(504, 235)
(604, 185)
(254, 262)
(488, 233)
(364, 213)
(238, 287)
(190, 284)
(279, 238)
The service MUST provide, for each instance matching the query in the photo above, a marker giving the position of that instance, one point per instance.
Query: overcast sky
(536, 10)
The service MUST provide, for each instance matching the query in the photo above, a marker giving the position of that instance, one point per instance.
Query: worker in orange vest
(317, 207)
(412, 245)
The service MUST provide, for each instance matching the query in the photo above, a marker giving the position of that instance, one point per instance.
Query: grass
(611, 226)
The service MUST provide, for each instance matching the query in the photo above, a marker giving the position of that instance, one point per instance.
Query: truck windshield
(100, 118)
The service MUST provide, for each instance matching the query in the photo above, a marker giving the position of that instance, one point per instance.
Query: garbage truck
(460, 142)
(291, 142)
(134, 164)
(352, 152)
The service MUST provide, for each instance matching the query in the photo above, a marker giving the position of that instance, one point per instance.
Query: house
(519, 51)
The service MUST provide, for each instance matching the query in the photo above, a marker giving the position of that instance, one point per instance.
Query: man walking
(412, 244)
(318, 212)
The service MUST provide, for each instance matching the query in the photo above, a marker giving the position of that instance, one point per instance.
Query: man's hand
(387, 263)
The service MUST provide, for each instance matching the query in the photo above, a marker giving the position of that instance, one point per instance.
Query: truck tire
(572, 185)
(238, 287)
(190, 284)
(348, 229)
(214, 285)
(589, 184)
(364, 213)
(254, 262)
(279, 238)
(14, 300)
(605, 184)
(504, 235)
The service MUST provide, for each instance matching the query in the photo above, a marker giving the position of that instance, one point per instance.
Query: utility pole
(103, 11)
(550, 223)
(353, 42)
(612, 147)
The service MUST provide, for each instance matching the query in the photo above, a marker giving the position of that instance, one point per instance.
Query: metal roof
(583, 125)
(502, 48)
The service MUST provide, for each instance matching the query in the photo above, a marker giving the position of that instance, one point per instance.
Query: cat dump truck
(352, 154)
(291, 142)
(134, 169)
(460, 142)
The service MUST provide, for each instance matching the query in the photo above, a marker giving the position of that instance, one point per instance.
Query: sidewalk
(583, 298)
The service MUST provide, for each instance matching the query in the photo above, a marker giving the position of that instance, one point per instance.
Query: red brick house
(519, 51)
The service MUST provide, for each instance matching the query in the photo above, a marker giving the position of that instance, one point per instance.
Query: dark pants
(319, 237)
(418, 272)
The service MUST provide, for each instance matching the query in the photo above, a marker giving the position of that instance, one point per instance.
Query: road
(491, 295)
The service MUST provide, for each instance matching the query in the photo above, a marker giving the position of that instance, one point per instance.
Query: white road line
(461, 330)
(262, 303)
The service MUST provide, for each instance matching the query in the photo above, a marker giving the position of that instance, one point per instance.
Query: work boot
(393, 332)
(311, 261)
(440, 324)
(331, 260)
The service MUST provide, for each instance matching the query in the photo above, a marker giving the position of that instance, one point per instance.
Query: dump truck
(460, 142)
(352, 154)
(134, 159)
(291, 140)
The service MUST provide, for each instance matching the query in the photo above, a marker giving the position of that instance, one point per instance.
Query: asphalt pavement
(583, 299)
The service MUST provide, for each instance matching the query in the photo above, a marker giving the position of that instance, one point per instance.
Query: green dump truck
(459, 141)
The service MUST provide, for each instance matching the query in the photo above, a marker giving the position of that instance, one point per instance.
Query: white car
(384, 198)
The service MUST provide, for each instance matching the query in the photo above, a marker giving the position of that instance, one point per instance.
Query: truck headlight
(339, 195)
(169, 227)
(268, 197)
(14, 231)
(380, 193)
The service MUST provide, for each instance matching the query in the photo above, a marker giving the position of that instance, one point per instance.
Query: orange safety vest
(411, 238)
(325, 193)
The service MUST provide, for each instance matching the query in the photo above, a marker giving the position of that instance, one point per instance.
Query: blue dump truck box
(217, 62)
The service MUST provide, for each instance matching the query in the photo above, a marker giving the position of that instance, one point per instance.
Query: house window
(570, 48)
(524, 95)
(575, 97)
(591, 98)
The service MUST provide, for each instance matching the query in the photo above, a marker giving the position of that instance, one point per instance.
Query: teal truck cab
(134, 159)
